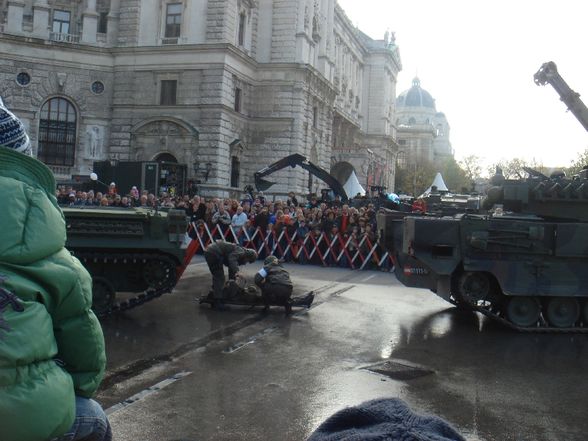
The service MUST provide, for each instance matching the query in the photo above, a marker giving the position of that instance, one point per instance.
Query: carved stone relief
(94, 142)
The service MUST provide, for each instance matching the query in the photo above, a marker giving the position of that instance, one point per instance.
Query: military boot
(305, 301)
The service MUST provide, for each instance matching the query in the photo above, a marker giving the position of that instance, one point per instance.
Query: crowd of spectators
(340, 225)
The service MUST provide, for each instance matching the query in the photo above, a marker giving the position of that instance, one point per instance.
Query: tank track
(140, 298)
(542, 326)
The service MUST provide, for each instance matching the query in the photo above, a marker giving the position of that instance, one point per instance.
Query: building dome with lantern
(422, 131)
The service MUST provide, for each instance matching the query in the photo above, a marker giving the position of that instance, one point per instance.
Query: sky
(477, 59)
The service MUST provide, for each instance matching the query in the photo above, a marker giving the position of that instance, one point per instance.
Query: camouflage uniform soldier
(220, 254)
(274, 281)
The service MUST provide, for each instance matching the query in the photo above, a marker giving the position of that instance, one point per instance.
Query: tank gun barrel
(548, 74)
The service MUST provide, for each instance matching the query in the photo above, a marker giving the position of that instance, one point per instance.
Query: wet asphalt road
(197, 374)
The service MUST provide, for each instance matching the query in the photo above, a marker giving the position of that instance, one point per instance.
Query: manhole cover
(400, 370)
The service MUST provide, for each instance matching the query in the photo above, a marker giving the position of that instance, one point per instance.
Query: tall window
(57, 132)
(237, 99)
(61, 21)
(103, 23)
(173, 20)
(168, 92)
(241, 32)
(235, 171)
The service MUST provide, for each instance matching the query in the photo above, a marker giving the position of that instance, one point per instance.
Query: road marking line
(146, 392)
(368, 278)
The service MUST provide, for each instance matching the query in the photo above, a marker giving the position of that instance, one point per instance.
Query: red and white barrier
(327, 250)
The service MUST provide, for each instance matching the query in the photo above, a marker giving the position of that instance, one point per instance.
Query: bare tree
(471, 167)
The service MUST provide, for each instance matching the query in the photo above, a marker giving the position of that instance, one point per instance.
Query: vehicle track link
(155, 290)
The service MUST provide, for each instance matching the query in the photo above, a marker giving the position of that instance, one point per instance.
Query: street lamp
(207, 169)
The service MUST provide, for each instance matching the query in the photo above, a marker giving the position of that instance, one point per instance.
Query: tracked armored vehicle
(130, 250)
(523, 263)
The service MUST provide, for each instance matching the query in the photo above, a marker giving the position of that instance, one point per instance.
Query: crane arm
(293, 161)
(548, 74)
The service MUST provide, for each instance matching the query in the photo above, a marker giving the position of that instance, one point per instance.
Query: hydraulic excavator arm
(301, 161)
(548, 74)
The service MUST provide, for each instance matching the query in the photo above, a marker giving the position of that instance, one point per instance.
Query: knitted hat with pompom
(15, 154)
(12, 132)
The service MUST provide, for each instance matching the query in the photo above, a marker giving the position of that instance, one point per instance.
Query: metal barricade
(326, 250)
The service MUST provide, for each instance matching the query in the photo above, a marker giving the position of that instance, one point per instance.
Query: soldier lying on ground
(220, 254)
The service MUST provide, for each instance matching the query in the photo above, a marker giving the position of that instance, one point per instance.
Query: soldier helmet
(270, 260)
(250, 255)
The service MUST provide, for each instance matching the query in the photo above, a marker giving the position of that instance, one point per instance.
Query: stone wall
(292, 87)
(129, 23)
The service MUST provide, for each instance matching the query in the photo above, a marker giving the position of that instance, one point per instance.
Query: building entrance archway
(172, 176)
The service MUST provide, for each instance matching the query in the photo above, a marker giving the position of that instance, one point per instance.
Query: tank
(522, 260)
(130, 250)
(522, 263)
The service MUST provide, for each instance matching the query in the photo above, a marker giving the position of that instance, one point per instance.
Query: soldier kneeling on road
(276, 286)
(220, 254)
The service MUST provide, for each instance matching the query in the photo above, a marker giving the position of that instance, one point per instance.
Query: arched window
(57, 132)
(411, 121)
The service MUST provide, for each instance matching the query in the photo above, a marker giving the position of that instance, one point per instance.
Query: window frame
(241, 28)
(238, 104)
(61, 149)
(173, 26)
(102, 27)
(163, 101)
(54, 21)
(235, 171)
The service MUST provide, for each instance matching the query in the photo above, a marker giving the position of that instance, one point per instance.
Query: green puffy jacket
(51, 344)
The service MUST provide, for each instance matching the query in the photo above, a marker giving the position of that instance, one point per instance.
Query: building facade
(423, 132)
(210, 90)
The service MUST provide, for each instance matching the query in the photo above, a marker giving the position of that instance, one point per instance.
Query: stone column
(324, 14)
(301, 14)
(330, 30)
(41, 19)
(15, 13)
(113, 20)
(90, 23)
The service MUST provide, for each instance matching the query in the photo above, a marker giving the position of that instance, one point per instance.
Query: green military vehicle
(523, 263)
(130, 250)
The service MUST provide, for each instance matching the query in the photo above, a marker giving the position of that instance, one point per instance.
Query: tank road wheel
(563, 312)
(523, 311)
(103, 294)
(474, 287)
(159, 274)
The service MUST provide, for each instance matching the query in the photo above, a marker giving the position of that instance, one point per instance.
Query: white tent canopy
(352, 186)
(439, 183)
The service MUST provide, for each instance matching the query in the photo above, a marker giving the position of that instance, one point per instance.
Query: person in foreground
(220, 254)
(387, 419)
(52, 356)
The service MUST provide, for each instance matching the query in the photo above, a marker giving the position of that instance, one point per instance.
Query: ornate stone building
(210, 90)
(423, 133)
